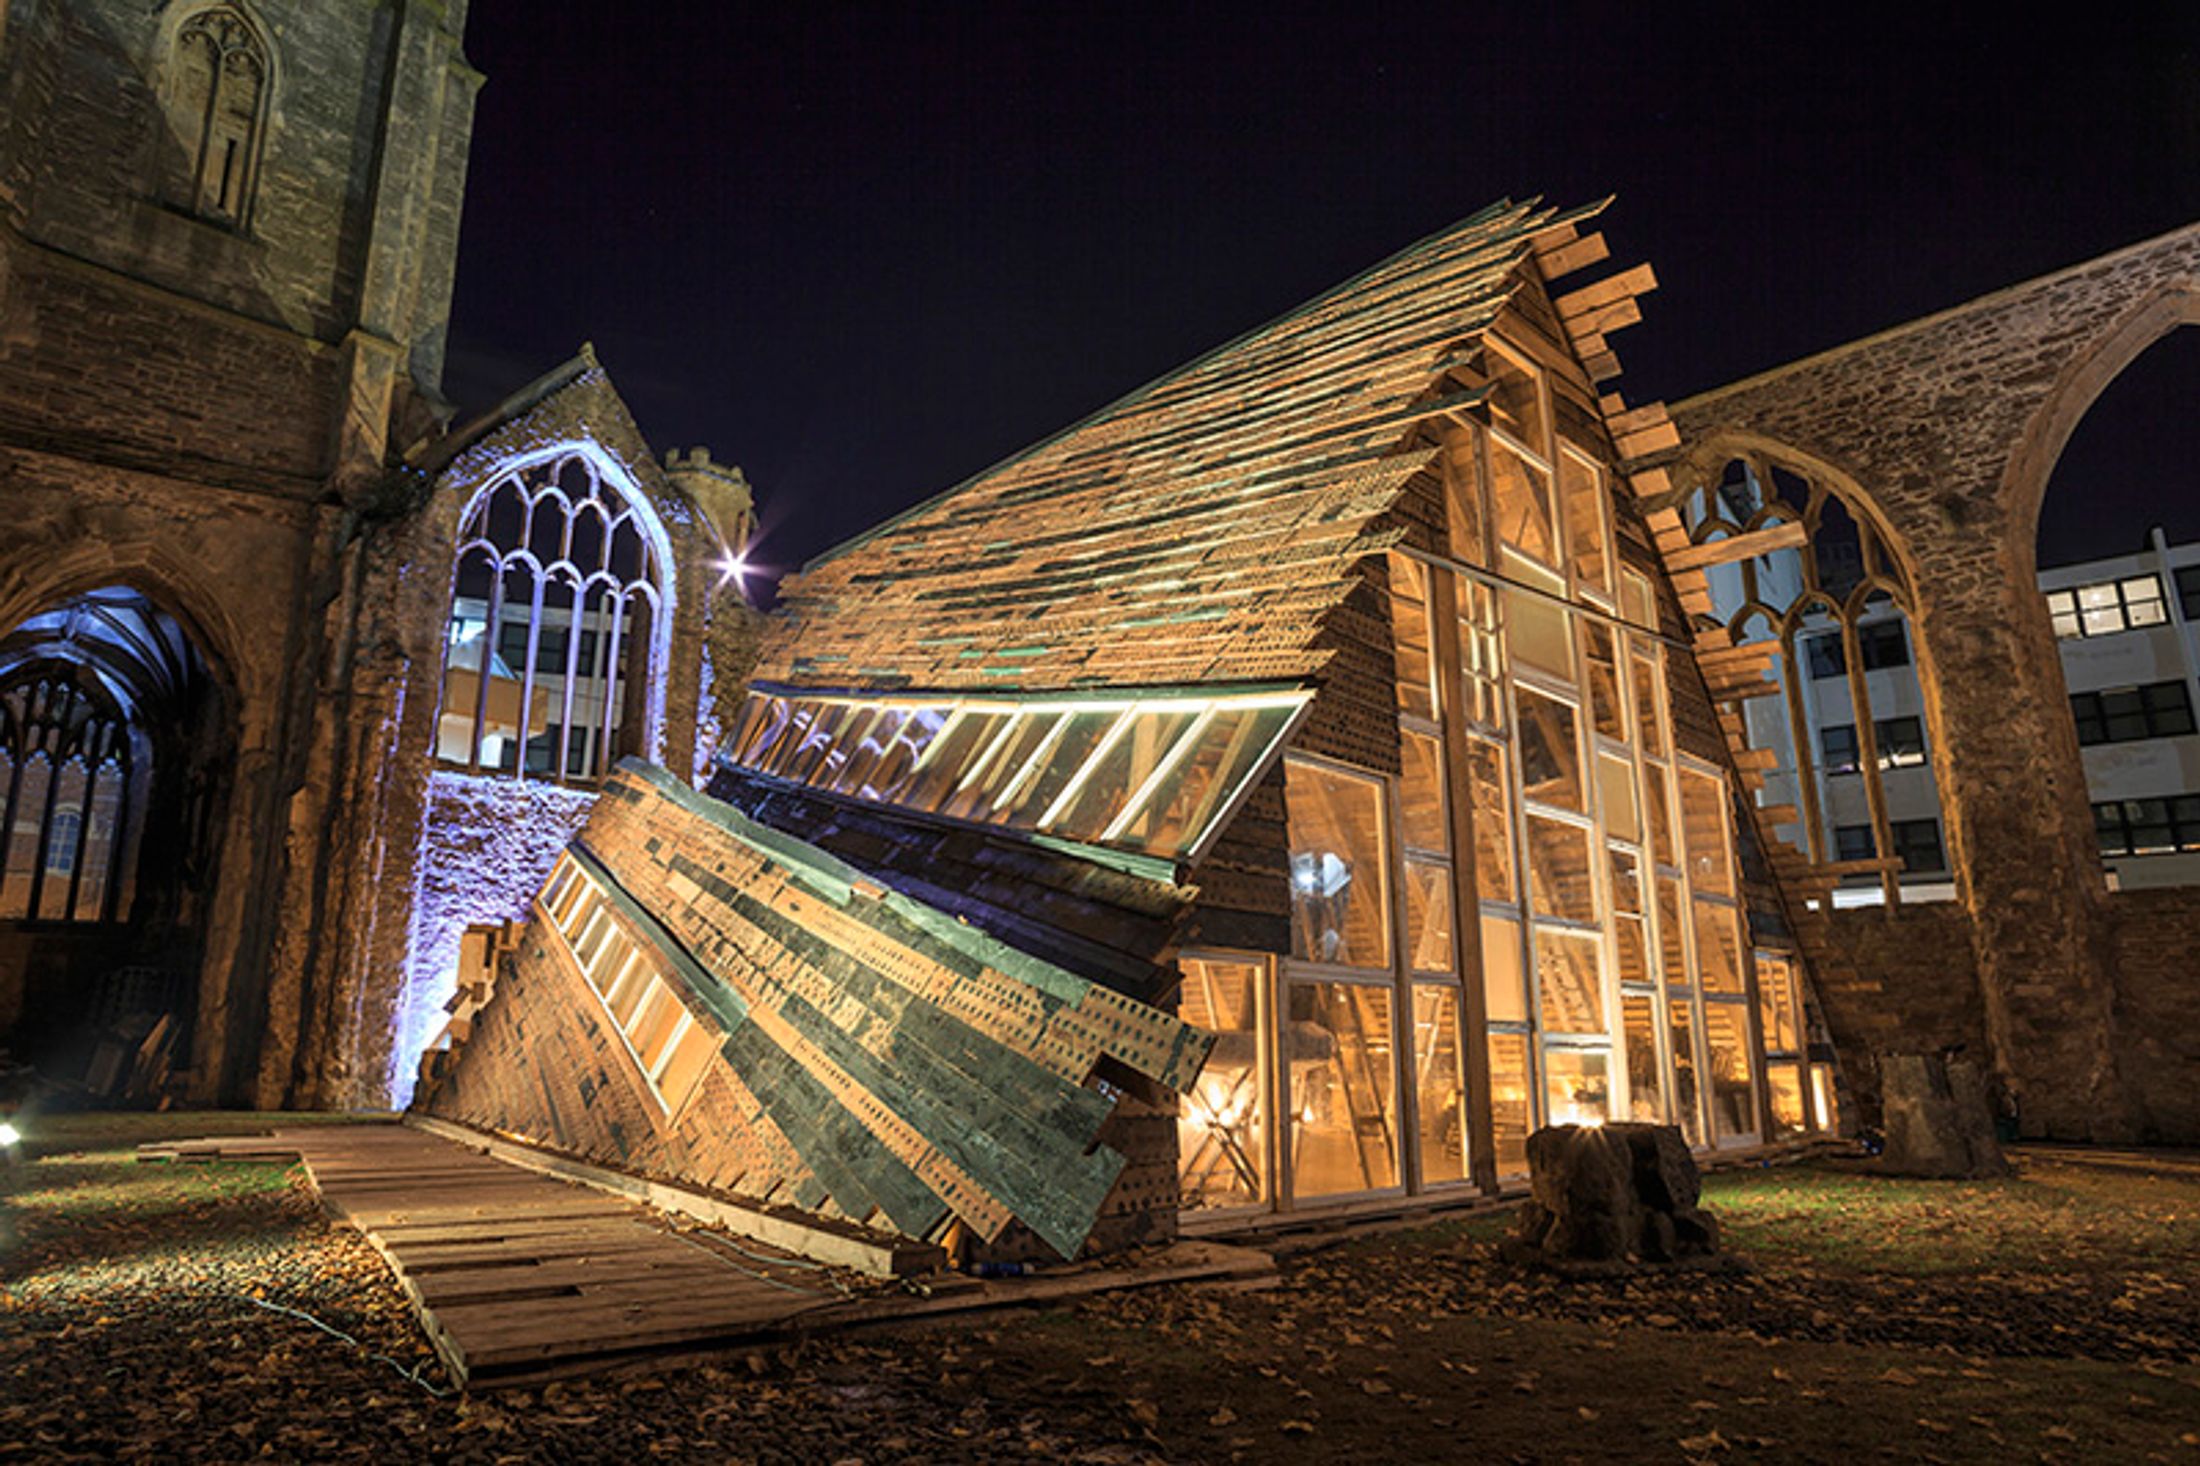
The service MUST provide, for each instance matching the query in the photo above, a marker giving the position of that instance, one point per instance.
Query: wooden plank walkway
(518, 1277)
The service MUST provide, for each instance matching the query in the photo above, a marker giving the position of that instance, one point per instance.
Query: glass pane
(1616, 797)
(1421, 792)
(1478, 653)
(1520, 500)
(1539, 633)
(1657, 799)
(689, 1057)
(1670, 952)
(1640, 606)
(1645, 1088)
(1685, 1111)
(1626, 882)
(1631, 942)
(1428, 916)
(1703, 802)
(1342, 1087)
(1776, 1005)
(1504, 985)
(1516, 399)
(1733, 1100)
(1221, 1124)
(1784, 1087)
(1559, 881)
(1080, 734)
(1409, 631)
(1583, 489)
(1440, 1078)
(1823, 1104)
(1202, 782)
(1509, 1093)
(1121, 772)
(999, 766)
(807, 754)
(1550, 752)
(1569, 981)
(1649, 719)
(1577, 1086)
(892, 775)
(1493, 859)
(967, 735)
(1340, 913)
(1717, 948)
(1604, 702)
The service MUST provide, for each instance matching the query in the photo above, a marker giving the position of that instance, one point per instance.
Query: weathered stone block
(1609, 1197)
(1938, 1120)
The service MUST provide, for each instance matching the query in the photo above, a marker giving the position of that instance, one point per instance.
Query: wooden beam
(1624, 286)
(1789, 534)
(1624, 423)
(1646, 441)
(1650, 483)
(1601, 321)
(1576, 254)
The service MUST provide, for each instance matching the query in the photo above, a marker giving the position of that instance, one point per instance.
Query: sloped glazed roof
(1197, 530)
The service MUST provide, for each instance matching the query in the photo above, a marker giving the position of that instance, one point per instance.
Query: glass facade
(1543, 808)
(1153, 775)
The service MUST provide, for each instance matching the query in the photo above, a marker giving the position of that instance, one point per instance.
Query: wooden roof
(1197, 531)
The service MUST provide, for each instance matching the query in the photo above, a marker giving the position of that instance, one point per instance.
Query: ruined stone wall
(2157, 982)
(205, 411)
(1945, 430)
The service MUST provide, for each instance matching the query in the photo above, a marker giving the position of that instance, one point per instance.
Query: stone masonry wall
(1946, 430)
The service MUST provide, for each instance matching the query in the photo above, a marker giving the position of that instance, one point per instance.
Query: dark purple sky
(865, 251)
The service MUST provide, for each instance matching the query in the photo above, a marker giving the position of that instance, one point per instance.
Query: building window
(2148, 826)
(1881, 642)
(547, 661)
(218, 112)
(2188, 591)
(2127, 714)
(2107, 607)
(1918, 843)
(1853, 842)
(65, 776)
(1901, 745)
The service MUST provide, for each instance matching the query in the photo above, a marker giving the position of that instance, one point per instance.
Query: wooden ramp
(518, 1277)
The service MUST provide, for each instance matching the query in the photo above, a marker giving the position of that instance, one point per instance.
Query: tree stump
(1609, 1198)
(1938, 1121)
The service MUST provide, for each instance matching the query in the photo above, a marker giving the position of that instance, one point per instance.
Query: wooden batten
(1611, 291)
(1650, 483)
(1756, 760)
(1574, 254)
(1655, 438)
(1786, 535)
(1774, 815)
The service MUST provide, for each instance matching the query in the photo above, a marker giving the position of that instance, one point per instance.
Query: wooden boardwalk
(518, 1277)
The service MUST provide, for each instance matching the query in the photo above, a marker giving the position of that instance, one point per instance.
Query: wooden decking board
(505, 1266)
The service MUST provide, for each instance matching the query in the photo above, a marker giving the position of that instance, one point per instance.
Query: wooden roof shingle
(1196, 531)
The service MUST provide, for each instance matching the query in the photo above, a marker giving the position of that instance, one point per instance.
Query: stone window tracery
(554, 569)
(218, 106)
(1835, 610)
(65, 808)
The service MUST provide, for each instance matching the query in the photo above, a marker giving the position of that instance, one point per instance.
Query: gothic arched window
(218, 96)
(65, 755)
(1853, 777)
(547, 663)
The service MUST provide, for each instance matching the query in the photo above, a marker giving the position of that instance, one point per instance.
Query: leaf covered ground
(162, 1313)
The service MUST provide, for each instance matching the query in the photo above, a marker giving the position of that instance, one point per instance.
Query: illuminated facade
(1346, 629)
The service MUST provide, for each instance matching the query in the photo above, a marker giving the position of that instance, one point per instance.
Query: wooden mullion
(1466, 921)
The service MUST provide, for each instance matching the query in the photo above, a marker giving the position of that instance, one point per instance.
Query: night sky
(867, 251)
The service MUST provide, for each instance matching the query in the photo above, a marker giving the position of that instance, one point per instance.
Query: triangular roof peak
(1196, 530)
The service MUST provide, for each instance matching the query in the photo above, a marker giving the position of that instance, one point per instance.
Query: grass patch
(58, 1133)
(2051, 1217)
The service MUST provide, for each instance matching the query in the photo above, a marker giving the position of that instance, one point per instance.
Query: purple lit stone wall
(488, 846)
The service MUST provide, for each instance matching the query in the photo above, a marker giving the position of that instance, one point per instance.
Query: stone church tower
(228, 232)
